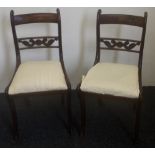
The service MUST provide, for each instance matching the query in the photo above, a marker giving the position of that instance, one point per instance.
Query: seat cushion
(113, 79)
(36, 76)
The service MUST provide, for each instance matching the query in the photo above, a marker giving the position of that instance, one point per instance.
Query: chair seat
(37, 76)
(112, 79)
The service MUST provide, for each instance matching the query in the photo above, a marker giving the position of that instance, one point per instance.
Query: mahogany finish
(127, 45)
(120, 44)
(121, 19)
(38, 42)
(32, 43)
(36, 18)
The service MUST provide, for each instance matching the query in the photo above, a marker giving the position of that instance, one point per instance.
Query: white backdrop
(79, 41)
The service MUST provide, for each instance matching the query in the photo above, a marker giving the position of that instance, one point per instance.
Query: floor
(42, 123)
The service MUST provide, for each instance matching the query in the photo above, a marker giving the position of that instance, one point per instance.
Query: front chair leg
(69, 114)
(83, 114)
(137, 119)
(13, 118)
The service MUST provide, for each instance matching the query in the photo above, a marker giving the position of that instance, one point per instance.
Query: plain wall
(79, 41)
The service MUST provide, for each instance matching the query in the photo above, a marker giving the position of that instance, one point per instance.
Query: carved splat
(120, 44)
(37, 42)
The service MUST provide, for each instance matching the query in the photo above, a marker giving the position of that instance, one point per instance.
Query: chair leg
(134, 107)
(69, 114)
(137, 120)
(62, 99)
(100, 102)
(83, 115)
(13, 118)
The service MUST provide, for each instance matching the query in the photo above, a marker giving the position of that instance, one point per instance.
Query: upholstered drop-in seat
(113, 79)
(37, 76)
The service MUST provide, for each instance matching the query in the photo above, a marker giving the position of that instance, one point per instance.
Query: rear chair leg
(69, 114)
(13, 118)
(83, 114)
(137, 119)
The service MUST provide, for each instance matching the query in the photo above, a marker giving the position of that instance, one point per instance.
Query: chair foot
(15, 136)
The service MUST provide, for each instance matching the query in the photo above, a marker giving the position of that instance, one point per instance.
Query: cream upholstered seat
(37, 76)
(113, 79)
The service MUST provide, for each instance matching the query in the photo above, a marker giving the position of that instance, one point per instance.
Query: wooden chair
(113, 81)
(34, 78)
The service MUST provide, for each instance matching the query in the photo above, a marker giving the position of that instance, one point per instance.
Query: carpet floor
(109, 125)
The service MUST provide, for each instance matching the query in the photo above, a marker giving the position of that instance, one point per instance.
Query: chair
(115, 81)
(34, 78)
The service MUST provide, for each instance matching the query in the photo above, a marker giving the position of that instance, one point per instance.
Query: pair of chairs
(105, 80)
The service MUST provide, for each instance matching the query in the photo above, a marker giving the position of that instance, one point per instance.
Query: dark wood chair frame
(120, 45)
(33, 43)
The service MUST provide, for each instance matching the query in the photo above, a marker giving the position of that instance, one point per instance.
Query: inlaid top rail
(36, 18)
(122, 19)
